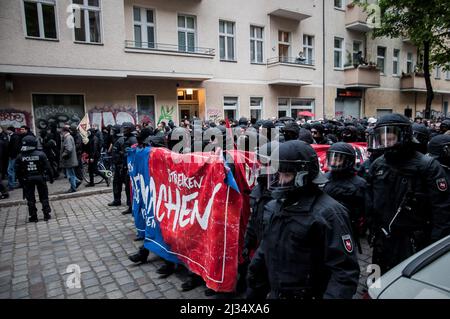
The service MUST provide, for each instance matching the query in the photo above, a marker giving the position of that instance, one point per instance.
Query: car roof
(428, 267)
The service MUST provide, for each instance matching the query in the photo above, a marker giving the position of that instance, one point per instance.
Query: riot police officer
(129, 139)
(422, 135)
(307, 248)
(408, 197)
(33, 169)
(117, 160)
(345, 186)
(439, 148)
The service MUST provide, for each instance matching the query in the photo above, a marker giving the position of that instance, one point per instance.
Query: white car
(425, 275)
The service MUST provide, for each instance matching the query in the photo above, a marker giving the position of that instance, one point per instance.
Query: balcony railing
(150, 46)
(290, 60)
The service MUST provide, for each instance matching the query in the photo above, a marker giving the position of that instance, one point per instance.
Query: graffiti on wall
(15, 118)
(213, 114)
(48, 116)
(166, 113)
(107, 115)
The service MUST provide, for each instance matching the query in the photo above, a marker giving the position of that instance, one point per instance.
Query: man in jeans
(69, 159)
(13, 150)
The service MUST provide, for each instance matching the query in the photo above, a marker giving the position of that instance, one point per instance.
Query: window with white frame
(308, 49)
(409, 62)
(284, 45)
(40, 18)
(381, 57)
(438, 73)
(293, 106)
(88, 28)
(226, 40)
(186, 33)
(338, 52)
(144, 27)
(395, 62)
(339, 4)
(230, 107)
(447, 74)
(256, 44)
(357, 48)
(256, 105)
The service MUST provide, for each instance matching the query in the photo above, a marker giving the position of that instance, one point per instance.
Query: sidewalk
(57, 191)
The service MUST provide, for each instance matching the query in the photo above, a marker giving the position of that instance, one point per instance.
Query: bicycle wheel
(97, 178)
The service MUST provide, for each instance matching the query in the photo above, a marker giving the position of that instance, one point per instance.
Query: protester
(69, 159)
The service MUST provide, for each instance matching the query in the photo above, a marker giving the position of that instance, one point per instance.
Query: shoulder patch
(348, 244)
(442, 184)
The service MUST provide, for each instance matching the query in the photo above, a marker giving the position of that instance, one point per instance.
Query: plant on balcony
(425, 23)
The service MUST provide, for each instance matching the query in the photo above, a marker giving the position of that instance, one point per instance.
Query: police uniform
(33, 169)
(129, 139)
(408, 200)
(118, 161)
(307, 251)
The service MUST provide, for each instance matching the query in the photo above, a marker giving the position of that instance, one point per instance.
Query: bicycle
(104, 165)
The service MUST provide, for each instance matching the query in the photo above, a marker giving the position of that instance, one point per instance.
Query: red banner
(198, 214)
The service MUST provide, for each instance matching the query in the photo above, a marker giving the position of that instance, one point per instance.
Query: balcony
(162, 48)
(356, 19)
(362, 77)
(289, 14)
(413, 82)
(290, 71)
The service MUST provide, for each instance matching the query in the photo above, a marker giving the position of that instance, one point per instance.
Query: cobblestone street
(86, 232)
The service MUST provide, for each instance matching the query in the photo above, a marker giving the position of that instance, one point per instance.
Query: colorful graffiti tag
(15, 118)
(166, 113)
(108, 115)
(47, 116)
(213, 114)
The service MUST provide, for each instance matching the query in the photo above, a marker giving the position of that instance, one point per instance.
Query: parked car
(425, 275)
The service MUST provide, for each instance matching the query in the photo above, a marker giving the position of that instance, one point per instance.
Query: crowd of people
(305, 227)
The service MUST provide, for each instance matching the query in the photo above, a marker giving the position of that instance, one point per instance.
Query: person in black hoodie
(13, 152)
(93, 150)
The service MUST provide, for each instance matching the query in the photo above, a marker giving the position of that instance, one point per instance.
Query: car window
(437, 273)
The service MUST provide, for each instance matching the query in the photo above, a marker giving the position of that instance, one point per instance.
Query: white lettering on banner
(182, 180)
(182, 215)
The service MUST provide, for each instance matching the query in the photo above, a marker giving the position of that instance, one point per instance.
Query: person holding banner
(129, 139)
(307, 251)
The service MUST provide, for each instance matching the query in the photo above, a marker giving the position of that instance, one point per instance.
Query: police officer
(408, 197)
(259, 197)
(33, 169)
(129, 139)
(439, 148)
(373, 155)
(422, 135)
(307, 247)
(345, 186)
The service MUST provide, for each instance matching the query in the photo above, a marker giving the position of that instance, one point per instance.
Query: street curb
(59, 197)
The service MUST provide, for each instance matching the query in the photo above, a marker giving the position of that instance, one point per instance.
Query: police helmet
(29, 143)
(341, 157)
(300, 161)
(439, 148)
(392, 131)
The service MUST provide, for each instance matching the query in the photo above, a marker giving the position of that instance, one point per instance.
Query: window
(308, 49)
(144, 27)
(40, 19)
(338, 53)
(226, 40)
(284, 45)
(438, 73)
(293, 106)
(256, 107)
(59, 109)
(381, 56)
(88, 28)
(409, 62)
(230, 107)
(395, 62)
(339, 4)
(357, 48)
(146, 109)
(447, 74)
(256, 44)
(186, 33)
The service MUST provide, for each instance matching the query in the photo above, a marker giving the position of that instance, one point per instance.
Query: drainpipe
(323, 58)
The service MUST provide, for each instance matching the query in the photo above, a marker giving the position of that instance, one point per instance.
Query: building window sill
(42, 39)
(88, 43)
(257, 63)
(231, 61)
(339, 69)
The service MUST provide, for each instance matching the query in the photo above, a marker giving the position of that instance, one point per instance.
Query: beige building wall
(112, 73)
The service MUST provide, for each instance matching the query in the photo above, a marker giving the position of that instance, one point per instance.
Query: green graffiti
(166, 113)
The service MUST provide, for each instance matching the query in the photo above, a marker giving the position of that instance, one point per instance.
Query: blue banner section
(140, 178)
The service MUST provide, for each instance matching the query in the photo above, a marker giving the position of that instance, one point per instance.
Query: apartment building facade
(140, 60)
